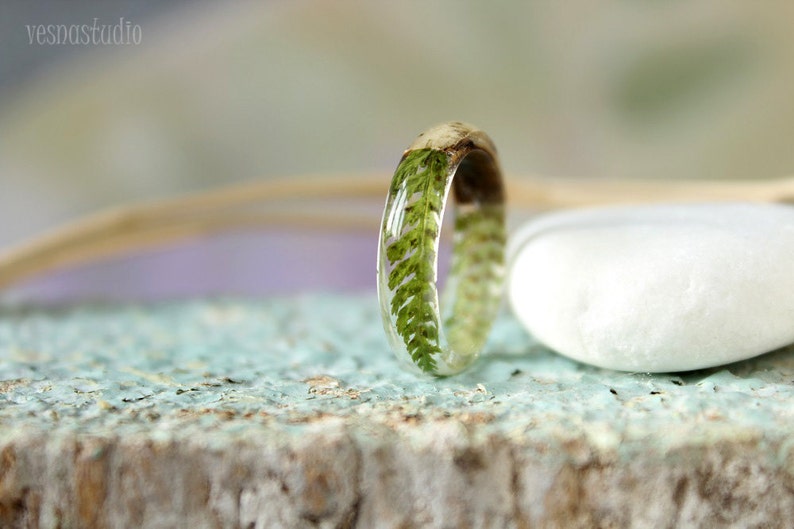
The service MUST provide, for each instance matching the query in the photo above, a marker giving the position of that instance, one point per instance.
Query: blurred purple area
(248, 264)
(268, 262)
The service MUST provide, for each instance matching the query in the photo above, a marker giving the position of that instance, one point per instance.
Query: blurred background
(217, 93)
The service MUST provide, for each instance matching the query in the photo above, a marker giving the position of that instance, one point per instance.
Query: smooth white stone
(657, 288)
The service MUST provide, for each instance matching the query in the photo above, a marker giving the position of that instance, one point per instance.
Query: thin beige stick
(547, 193)
(131, 228)
(214, 203)
(34, 260)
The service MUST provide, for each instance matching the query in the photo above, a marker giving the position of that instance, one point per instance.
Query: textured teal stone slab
(235, 364)
(292, 412)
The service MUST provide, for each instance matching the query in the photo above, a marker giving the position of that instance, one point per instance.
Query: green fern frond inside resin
(477, 265)
(422, 176)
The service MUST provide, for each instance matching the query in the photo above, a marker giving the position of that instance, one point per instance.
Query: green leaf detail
(477, 265)
(422, 177)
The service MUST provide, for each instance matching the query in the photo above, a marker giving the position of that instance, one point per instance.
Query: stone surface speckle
(292, 412)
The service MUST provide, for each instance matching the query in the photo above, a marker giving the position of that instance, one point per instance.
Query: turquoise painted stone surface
(245, 363)
(292, 412)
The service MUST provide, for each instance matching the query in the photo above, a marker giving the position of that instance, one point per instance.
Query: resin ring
(442, 340)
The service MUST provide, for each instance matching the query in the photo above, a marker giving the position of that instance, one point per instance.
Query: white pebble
(657, 288)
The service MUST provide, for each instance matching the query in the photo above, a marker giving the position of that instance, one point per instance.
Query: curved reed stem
(131, 228)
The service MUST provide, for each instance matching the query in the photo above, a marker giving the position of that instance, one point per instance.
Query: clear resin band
(442, 338)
